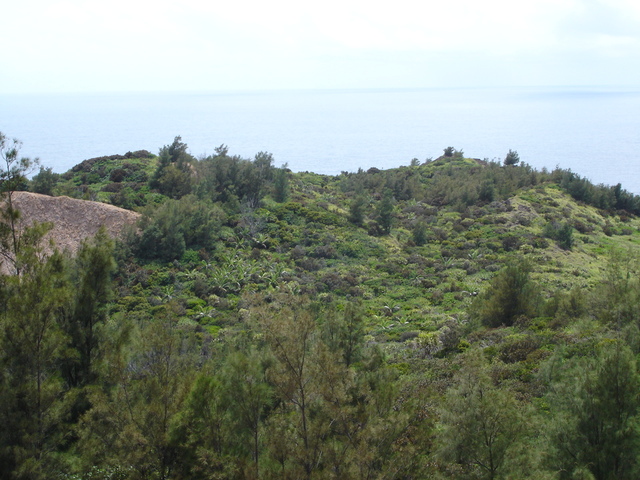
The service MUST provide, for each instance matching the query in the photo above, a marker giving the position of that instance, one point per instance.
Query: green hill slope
(453, 319)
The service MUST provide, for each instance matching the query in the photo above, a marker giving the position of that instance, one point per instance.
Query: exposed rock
(73, 220)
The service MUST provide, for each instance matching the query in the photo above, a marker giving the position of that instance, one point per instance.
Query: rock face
(73, 220)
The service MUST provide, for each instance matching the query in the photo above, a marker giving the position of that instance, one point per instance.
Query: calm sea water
(593, 131)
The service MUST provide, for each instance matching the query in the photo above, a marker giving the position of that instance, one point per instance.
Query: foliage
(512, 158)
(240, 333)
(619, 292)
(93, 271)
(357, 210)
(173, 175)
(169, 229)
(597, 408)
(561, 232)
(45, 181)
(385, 211)
(32, 344)
(281, 185)
(419, 233)
(232, 179)
(13, 176)
(121, 180)
(510, 295)
(481, 423)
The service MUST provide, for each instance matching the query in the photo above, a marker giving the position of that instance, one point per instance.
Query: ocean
(595, 132)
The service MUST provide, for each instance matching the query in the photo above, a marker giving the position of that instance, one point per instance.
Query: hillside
(456, 318)
(231, 229)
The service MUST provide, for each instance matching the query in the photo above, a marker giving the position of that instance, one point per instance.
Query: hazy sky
(190, 45)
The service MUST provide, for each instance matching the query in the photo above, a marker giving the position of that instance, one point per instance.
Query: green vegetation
(453, 319)
(16, 244)
(510, 295)
(512, 158)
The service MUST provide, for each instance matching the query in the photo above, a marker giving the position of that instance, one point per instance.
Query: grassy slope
(405, 289)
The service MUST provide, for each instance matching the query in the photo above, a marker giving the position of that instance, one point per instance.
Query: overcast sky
(191, 45)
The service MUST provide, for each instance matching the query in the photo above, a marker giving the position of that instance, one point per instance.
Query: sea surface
(595, 132)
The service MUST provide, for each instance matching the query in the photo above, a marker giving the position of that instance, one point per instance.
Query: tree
(145, 385)
(419, 233)
(291, 338)
(357, 210)
(618, 293)
(248, 395)
(343, 331)
(480, 423)
(32, 345)
(385, 211)
(512, 158)
(596, 413)
(281, 184)
(13, 176)
(290, 330)
(94, 268)
(44, 181)
(254, 178)
(169, 229)
(202, 431)
(510, 294)
(173, 175)
(560, 232)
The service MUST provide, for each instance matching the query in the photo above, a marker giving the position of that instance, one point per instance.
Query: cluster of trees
(221, 178)
(300, 394)
(485, 182)
(51, 325)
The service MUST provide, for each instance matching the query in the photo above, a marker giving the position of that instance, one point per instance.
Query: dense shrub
(510, 294)
(562, 233)
(166, 231)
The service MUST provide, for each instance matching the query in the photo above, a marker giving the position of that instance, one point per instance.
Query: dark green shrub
(511, 294)
(562, 233)
(385, 211)
(167, 231)
(419, 233)
(281, 185)
(117, 175)
(511, 243)
(356, 210)
(44, 181)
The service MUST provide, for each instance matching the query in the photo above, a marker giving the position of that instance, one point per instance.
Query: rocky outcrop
(73, 220)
